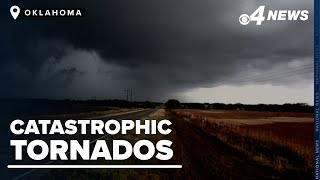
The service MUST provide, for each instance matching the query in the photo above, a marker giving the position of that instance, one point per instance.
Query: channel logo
(273, 15)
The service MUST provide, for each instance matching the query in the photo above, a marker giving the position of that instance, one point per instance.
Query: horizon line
(141, 101)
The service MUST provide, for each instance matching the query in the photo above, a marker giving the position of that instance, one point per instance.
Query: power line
(308, 68)
(129, 94)
(279, 71)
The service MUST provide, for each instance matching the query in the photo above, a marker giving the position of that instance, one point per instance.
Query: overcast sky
(193, 50)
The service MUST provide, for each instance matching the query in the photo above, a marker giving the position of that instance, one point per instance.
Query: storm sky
(192, 50)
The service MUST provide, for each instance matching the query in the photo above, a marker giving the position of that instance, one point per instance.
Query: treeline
(119, 103)
(296, 107)
(46, 106)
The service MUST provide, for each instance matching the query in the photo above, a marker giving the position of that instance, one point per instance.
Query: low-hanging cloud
(158, 49)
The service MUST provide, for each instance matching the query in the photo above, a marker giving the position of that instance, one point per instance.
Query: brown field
(89, 114)
(232, 145)
(280, 140)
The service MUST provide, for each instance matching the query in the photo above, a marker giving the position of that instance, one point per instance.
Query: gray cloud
(156, 48)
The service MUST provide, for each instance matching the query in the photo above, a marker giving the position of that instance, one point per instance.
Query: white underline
(49, 166)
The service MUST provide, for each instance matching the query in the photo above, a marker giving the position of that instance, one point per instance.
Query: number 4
(257, 15)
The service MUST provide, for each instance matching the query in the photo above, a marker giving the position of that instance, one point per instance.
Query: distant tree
(172, 104)
(148, 104)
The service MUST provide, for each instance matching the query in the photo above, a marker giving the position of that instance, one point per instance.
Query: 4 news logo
(273, 15)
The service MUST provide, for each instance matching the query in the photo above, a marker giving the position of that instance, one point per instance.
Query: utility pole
(127, 94)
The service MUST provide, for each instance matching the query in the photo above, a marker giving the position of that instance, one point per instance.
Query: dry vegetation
(90, 114)
(283, 141)
(264, 145)
(127, 173)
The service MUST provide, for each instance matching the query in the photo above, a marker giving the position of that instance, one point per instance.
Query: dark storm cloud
(155, 47)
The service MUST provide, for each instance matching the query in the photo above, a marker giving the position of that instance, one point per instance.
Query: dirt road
(200, 153)
(31, 173)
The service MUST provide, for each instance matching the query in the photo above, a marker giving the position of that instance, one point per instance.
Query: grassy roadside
(285, 147)
(128, 173)
(86, 115)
